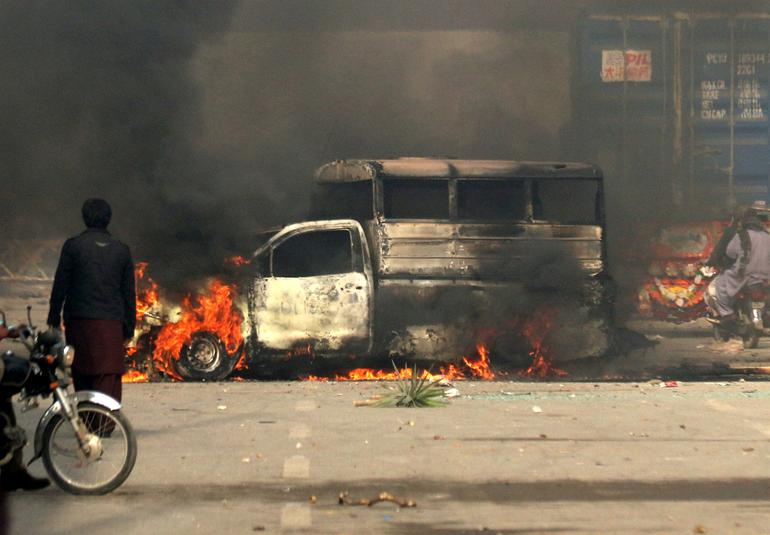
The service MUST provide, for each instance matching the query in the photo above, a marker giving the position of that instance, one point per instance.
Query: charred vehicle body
(421, 258)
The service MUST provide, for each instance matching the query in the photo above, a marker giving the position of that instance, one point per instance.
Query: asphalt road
(505, 457)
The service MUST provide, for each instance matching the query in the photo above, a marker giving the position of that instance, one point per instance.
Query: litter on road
(345, 499)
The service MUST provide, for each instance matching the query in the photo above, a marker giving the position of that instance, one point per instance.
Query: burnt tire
(205, 358)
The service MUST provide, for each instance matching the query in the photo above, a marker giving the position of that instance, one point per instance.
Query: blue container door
(730, 147)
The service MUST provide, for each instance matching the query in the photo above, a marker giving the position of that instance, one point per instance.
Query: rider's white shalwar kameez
(728, 283)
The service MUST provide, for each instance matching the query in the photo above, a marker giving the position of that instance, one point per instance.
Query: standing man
(95, 284)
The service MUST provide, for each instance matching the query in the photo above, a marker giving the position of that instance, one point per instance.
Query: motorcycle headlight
(67, 356)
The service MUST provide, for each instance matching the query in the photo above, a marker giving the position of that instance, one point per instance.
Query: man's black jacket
(94, 280)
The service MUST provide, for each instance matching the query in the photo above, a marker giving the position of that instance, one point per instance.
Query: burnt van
(420, 258)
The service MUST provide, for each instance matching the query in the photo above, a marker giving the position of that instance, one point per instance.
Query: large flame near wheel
(213, 311)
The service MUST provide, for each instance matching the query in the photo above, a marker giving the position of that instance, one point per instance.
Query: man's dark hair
(96, 213)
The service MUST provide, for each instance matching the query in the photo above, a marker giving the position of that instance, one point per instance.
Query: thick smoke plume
(202, 121)
(98, 101)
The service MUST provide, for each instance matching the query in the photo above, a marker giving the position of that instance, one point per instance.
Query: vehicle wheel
(112, 436)
(205, 358)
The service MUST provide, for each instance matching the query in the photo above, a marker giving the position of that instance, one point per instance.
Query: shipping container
(674, 107)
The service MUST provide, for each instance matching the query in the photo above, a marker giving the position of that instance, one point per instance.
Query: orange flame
(536, 328)
(134, 376)
(237, 261)
(214, 312)
(476, 369)
(480, 368)
(146, 291)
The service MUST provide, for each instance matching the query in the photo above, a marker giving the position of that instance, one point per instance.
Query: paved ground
(506, 457)
(596, 458)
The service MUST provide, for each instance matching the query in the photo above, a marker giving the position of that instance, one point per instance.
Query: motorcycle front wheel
(112, 442)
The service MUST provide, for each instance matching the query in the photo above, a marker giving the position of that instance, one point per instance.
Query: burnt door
(318, 293)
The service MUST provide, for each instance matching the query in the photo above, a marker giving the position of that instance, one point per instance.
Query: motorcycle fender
(97, 398)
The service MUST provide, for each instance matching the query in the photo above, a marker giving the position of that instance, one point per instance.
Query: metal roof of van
(362, 170)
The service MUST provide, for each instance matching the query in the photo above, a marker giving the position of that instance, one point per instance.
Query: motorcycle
(750, 316)
(85, 441)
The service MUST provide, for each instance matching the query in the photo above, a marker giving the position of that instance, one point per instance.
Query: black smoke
(98, 100)
(202, 121)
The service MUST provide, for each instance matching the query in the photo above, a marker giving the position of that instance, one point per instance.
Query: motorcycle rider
(14, 475)
(743, 254)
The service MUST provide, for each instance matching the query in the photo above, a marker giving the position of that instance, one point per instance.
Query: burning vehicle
(425, 259)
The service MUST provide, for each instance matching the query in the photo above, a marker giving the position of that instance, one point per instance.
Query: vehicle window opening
(569, 202)
(313, 254)
(416, 199)
(351, 200)
(491, 199)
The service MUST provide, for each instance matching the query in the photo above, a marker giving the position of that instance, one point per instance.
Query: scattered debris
(450, 390)
(367, 402)
(438, 437)
(258, 528)
(536, 408)
(312, 499)
(699, 529)
(345, 499)
(246, 460)
(747, 450)
(671, 384)
(221, 407)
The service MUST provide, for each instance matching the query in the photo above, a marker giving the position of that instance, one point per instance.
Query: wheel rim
(204, 355)
(89, 473)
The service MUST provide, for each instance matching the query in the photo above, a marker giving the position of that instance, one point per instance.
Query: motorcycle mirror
(29, 317)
